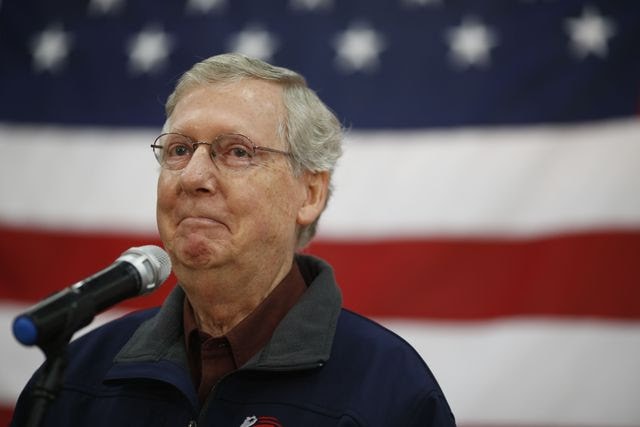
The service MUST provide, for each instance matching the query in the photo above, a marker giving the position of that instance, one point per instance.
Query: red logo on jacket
(254, 421)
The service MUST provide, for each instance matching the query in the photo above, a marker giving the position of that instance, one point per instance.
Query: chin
(198, 254)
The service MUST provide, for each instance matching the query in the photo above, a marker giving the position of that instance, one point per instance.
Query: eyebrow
(229, 131)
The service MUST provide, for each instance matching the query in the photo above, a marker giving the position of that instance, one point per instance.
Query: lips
(200, 221)
(190, 212)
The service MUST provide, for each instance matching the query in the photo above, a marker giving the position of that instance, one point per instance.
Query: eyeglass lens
(174, 151)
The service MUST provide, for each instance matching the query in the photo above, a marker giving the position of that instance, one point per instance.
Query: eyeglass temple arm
(273, 150)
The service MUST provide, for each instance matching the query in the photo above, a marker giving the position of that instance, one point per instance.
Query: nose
(200, 174)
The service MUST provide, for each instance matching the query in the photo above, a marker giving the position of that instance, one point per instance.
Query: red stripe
(36, 263)
(595, 274)
(5, 415)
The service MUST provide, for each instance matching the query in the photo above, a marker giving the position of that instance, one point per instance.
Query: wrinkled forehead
(254, 100)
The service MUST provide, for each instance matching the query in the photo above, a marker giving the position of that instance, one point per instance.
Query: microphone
(137, 271)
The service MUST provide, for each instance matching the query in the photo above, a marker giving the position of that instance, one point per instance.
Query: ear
(316, 186)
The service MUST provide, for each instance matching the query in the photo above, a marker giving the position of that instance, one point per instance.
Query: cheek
(278, 207)
(167, 188)
(164, 204)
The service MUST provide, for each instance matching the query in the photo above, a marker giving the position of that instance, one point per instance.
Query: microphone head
(153, 265)
(74, 307)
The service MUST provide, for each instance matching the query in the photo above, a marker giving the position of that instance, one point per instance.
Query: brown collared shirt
(210, 358)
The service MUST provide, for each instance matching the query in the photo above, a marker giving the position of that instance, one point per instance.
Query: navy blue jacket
(324, 366)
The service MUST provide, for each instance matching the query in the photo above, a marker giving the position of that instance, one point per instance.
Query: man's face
(209, 217)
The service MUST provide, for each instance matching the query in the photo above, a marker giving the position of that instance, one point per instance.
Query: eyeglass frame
(211, 144)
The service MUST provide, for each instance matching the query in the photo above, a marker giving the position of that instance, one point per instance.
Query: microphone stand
(49, 383)
(46, 389)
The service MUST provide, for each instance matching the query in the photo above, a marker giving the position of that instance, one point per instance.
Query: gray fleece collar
(302, 339)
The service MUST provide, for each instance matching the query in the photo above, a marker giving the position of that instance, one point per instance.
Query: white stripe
(533, 372)
(78, 179)
(493, 181)
(515, 371)
(500, 181)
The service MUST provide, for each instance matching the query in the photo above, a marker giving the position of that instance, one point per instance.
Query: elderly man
(254, 334)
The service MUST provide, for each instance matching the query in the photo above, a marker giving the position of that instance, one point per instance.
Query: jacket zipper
(211, 395)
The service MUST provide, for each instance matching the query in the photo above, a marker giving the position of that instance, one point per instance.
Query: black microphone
(137, 271)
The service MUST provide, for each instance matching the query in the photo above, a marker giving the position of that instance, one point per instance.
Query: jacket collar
(302, 340)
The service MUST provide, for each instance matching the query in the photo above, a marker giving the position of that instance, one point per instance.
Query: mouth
(199, 221)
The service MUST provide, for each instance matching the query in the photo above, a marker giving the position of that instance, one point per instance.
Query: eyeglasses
(231, 151)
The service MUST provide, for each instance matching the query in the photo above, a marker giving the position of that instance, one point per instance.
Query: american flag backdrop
(487, 207)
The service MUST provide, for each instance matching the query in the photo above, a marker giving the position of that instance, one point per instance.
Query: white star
(205, 6)
(471, 43)
(149, 50)
(590, 33)
(420, 3)
(310, 5)
(255, 42)
(358, 48)
(105, 7)
(50, 49)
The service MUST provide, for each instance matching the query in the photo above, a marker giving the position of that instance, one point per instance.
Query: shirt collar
(255, 330)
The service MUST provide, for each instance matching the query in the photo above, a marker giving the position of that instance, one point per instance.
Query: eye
(235, 151)
(238, 151)
(177, 146)
(178, 149)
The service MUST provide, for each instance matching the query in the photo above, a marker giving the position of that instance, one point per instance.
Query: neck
(222, 297)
